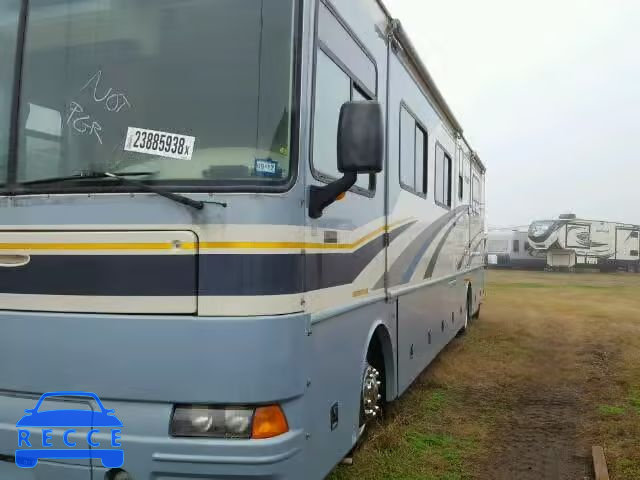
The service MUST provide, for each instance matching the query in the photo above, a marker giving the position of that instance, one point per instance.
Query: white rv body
(510, 248)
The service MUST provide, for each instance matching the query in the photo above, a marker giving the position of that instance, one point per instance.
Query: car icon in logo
(27, 457)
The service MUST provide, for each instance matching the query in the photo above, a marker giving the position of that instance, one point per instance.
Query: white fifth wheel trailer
(570, 242)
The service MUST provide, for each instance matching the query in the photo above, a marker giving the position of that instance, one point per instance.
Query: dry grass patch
(551, 368)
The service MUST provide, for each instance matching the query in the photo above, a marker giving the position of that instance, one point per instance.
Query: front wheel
(371, 397)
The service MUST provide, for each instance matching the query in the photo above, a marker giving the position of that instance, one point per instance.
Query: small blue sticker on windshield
(265, 167)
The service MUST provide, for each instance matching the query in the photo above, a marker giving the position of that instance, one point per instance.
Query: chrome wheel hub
(371, 392)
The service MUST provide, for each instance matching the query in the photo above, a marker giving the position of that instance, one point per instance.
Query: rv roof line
(411, 51)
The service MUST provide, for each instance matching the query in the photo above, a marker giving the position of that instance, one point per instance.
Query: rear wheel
(467, 315)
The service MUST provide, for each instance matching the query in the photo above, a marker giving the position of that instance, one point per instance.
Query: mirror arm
(321, 197)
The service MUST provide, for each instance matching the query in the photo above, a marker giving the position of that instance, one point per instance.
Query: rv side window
(634, 234)
(333, 88)
(337, 82)
(527, 247)
(332, 91)
(443, 177)
(460, 175)
(516, 246)
(413, 153)
(634, 253)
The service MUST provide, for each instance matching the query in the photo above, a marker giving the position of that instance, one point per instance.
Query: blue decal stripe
(242, 274)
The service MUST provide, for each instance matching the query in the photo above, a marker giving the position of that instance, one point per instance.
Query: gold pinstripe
(203, 245)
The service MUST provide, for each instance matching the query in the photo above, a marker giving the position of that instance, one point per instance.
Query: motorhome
(244, 225)
(510, 248)
(570, 242)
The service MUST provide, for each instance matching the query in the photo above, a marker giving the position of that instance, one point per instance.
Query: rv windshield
(198, 92)
(8, 33)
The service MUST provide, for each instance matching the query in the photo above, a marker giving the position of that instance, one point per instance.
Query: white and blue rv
(244, 225)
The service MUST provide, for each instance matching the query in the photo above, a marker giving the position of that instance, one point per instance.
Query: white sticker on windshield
(162, 144)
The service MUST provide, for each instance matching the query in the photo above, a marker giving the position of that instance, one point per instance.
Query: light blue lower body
(142, 366)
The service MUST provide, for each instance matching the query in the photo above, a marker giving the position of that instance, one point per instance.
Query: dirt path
(541, 437)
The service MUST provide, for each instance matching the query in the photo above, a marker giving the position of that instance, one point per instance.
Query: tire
(467, 316)
(372, 387)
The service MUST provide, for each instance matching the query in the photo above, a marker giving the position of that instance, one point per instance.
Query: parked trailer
(510, 248)
(174, 236)
(570, 243)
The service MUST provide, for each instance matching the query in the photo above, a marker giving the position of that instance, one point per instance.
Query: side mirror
(360, 138)
(360, 150)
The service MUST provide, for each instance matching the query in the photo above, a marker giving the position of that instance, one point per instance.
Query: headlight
(199, 421)
(228, 422)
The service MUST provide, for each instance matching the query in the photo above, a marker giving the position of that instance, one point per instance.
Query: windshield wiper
(88, 175)
(122, 178)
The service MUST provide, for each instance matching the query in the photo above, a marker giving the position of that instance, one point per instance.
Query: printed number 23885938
(159, 143)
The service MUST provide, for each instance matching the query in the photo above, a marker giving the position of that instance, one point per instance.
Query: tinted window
(333, 89)
(413, 153)
(9, 10)
(443, 177)
(439, 175)
(407, 149)
(448, 172)
(217, 71)
(420, 160)
(338, 40)
(516, 246)
(357, 76)
(460, 175)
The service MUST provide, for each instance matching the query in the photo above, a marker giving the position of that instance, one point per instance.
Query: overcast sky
(548, 93)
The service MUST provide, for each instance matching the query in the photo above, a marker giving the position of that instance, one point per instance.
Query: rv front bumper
(154, 455)
(142, 367)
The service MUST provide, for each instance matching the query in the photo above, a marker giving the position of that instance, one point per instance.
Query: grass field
(551, 368)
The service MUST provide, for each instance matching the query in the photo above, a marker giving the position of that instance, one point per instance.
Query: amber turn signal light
(269, 422)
